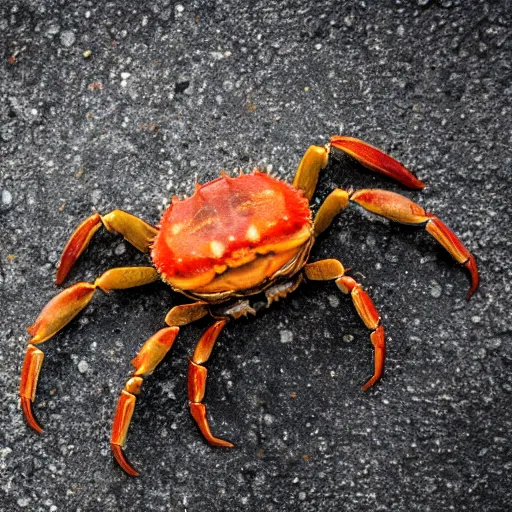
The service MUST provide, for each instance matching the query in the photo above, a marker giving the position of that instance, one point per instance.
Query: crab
(235, 237)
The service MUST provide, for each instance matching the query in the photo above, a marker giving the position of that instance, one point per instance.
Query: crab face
(234, 236)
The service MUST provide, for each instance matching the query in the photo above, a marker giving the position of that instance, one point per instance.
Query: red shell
(224, 218)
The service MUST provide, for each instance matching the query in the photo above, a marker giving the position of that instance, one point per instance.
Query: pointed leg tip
(370, 383)
(475, 278)
(26, 405)
(223, 444)
(121, 459)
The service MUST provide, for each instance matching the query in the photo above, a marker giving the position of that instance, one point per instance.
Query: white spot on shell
(252, 234)
(176, 228)
(217, 248)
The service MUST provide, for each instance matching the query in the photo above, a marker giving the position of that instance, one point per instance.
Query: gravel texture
(124, 104)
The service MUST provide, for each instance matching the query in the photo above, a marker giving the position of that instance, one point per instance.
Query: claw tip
(26, 405)
(122, 460)
(475, 279)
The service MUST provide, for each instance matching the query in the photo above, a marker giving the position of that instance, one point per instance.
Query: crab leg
(197, 374)
(325, 270)
(136, 231)
(59, 312)
(316, 159)
(148, 358)
(400, 209)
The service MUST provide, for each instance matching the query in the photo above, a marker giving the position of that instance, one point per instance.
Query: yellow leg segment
(314, 160)
(336, 201)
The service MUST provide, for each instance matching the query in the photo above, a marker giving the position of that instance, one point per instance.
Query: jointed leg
(197, 374)
(59, 312)
(400, 209)
(136, 231)
(371, 318)
(326, 270)
(316, 158)
(148, 358)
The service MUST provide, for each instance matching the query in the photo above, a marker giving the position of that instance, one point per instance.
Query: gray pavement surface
(174, 92)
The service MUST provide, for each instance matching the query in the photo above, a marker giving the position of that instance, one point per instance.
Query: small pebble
(83, 366)
(347, 338)
(334, 301)
(286, 336)
(87, 54)
(120, 249)
(436, 290)
(6, 197)
(67, 38)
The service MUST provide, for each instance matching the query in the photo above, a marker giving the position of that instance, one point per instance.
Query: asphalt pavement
(125, 104)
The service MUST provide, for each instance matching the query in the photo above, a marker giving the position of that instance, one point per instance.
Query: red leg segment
(371, 318)
(136, 231)
(398, 208)
(197, 374)
(77, 245)
(376, 160)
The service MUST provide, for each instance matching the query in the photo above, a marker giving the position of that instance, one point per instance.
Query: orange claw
(120, 456)
(76, 245)
(376, 160)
